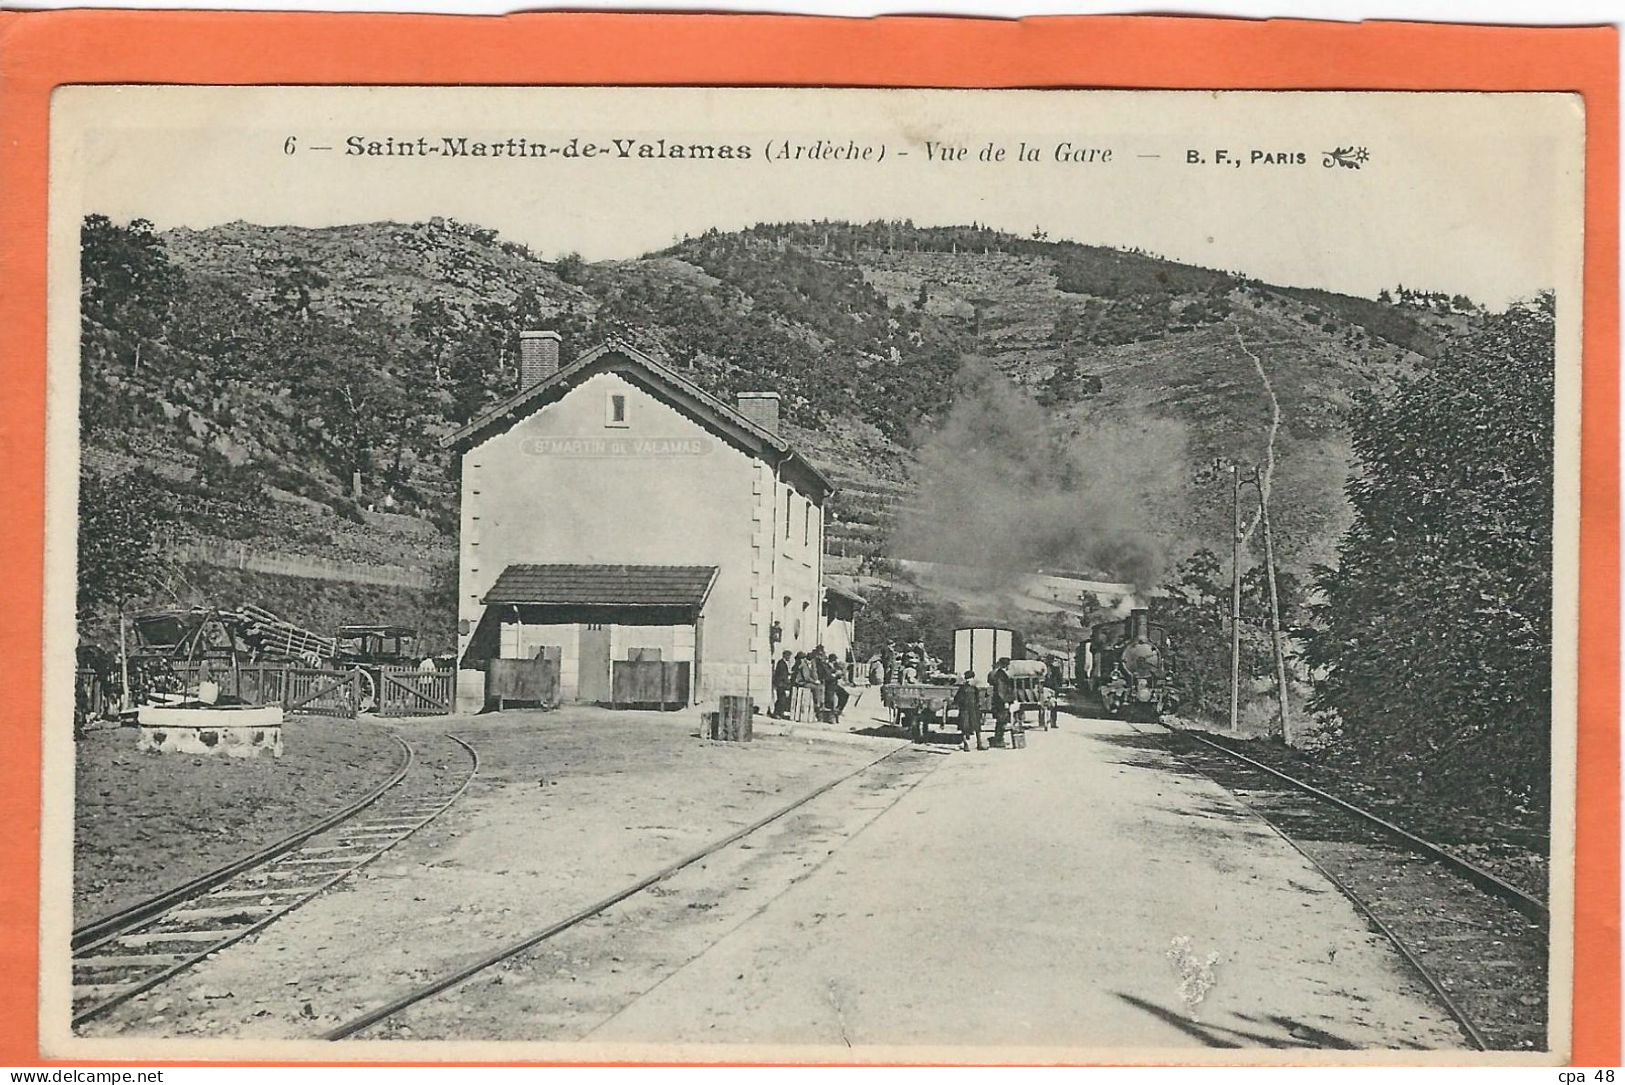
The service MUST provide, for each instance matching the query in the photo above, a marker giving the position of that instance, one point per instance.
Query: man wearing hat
(968, 702)
(1004, 695)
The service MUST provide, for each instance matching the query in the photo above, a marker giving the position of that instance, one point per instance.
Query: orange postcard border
(42, 50)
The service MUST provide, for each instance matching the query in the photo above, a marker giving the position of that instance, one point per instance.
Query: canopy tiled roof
(603, 585)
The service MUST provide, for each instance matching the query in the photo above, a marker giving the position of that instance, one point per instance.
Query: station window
(806, 526)
(787, 512)
(615, 410)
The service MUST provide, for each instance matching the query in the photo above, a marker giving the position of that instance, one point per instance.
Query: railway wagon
(977, 648)
(1129, 665)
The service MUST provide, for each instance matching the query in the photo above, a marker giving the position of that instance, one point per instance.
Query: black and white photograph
(805, 575)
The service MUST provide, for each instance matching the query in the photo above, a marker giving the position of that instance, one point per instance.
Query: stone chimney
(538, 357)
(761, 408)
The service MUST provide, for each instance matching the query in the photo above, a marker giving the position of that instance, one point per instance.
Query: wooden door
(592, 676)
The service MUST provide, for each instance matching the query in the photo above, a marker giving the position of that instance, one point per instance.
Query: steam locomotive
(1129, 665)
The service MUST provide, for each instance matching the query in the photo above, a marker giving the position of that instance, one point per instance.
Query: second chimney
(761, 408)
(538, 357)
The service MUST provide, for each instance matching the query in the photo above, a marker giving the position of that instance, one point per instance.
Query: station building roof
(617, 356)
(603, 585)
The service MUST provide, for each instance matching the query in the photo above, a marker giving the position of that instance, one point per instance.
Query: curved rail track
(119, 956)
(1478, 943)
(901, 761)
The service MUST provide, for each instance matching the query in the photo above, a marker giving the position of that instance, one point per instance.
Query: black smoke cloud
(1000, 490)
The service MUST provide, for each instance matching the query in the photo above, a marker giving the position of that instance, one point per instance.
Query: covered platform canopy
(600, 594)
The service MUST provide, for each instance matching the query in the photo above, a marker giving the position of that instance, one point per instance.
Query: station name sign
(607, 447)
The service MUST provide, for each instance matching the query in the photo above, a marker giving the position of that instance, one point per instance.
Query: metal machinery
(390, 644)
(1129, 665)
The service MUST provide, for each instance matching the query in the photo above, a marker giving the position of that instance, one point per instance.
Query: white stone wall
(561, 486)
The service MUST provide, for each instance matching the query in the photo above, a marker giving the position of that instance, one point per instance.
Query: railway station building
(614, 513)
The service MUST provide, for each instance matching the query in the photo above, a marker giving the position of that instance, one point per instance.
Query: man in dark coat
(968, 703)
(1004, 695)
(783, 682)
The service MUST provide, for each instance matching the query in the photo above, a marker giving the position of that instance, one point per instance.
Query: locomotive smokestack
(1139, 625)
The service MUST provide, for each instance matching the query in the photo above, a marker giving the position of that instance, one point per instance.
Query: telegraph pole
(1275, 619)
(1235, 598)
(123, 663)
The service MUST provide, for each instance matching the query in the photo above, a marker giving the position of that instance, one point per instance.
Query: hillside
(290, 385)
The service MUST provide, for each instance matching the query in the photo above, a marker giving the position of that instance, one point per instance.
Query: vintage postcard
(811, 574)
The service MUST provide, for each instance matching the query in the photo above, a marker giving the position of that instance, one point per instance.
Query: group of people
(807, 687)
(908, 665)
(968, 704)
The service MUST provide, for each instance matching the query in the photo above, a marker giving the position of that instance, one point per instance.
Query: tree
(291, 288)
(119, 525)
(1435, 627)
(1194, 608)
(357, 410)
(126, 282)
(570, 268)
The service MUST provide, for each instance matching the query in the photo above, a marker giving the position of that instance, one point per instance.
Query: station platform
(1083, 896)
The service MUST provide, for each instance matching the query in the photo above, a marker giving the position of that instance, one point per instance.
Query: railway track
(1477, 942)
(120, 956)
(906, 764)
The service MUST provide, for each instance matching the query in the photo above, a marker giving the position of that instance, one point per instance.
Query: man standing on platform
(1004, 695)
(783, 682)
(968, 703)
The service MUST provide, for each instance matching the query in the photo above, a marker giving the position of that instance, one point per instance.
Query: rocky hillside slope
(309, 373)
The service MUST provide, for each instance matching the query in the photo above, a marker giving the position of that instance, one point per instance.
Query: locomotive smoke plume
(1000, 490)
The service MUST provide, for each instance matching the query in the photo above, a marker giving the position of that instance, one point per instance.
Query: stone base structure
(231, 730)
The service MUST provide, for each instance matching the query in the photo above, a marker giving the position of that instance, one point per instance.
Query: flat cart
(917, 706)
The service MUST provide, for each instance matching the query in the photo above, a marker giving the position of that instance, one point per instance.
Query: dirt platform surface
(1086, 895)
(568, 807)
(144, 822)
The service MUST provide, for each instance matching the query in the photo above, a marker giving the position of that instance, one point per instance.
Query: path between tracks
(568, 806)
(1085, 892)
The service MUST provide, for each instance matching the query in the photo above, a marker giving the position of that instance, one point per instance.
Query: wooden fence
(308, 691)
(305, 691)
(408, 691)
